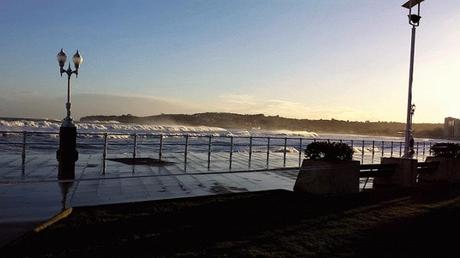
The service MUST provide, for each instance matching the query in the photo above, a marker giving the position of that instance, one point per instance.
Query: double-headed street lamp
(67, 154)
(77, 60)
(414, 20)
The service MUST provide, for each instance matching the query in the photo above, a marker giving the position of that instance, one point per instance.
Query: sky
(341, 59)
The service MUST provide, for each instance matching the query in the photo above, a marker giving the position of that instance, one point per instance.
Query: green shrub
(330, 151)
(446, 150)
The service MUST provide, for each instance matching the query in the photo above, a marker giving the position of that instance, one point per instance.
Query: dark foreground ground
(417, 223)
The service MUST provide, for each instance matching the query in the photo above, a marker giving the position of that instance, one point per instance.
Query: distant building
(451, 128)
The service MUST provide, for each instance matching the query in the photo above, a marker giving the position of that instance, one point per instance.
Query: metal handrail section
(158, 135)
(210, 141)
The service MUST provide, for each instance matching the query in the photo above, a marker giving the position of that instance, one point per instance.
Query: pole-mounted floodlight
(414, 20)
(411, 3)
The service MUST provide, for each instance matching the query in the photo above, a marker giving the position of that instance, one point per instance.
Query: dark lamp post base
(67, 154)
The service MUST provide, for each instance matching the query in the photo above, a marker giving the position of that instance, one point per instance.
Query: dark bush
(330, 151)
(446, 150)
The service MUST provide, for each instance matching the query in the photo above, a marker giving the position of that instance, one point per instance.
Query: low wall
(328, 177)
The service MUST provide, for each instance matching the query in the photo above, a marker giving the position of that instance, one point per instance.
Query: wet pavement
(32, 196)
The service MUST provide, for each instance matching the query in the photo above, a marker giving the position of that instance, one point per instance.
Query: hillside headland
(261, 121)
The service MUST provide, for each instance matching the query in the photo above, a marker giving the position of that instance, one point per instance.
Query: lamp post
(67, 154)
(414, 21)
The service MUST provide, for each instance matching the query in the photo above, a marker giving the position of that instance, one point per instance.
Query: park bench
(376, 170)
(427, 167)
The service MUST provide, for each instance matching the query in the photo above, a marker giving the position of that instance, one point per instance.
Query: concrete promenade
(30, 198)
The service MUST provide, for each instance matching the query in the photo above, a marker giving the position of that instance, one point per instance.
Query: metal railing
(367, 151)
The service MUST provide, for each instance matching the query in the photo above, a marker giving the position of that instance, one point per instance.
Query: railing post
(391, 152)
(104, 154)
(373, 151)
(284, 152)
(160, 151)
(185, 153)
(362, 153)
(268, 152)
(209, 150)
(250, 151)
(383, 149)
(300, 151)
(231, 152)
(135, 146)
(400, 149)
(416, 151)
(429, 150)
(23, 154)
(423, 151)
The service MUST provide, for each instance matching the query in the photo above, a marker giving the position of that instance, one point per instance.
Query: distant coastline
(28, 119)
(263, 122)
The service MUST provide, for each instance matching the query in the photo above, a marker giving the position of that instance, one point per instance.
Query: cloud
(33, 105)
(250, 105)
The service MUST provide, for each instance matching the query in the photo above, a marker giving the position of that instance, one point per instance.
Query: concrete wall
(404, 176)
(328, 177)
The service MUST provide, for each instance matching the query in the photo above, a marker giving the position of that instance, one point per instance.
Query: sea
(42, 138)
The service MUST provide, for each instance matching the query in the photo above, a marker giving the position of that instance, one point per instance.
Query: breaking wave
(127, 128)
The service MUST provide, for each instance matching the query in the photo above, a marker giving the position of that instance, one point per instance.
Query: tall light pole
(67, 154)
(414, 20)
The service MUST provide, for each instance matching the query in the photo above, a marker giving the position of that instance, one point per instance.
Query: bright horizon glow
(345, 60)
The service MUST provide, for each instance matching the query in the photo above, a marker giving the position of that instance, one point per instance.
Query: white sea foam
(295, 133)
(131, 128)
(367, 149)
(288, 150)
